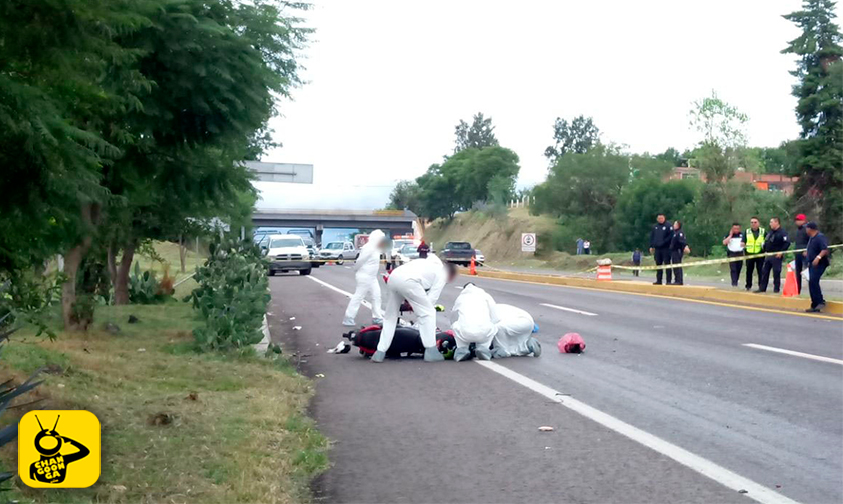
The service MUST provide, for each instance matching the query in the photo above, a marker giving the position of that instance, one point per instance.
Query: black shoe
(759, 291)
(813, 310)
(748, 288)
(775, 291)
(734, 285)
(657, 283)
(678, 283)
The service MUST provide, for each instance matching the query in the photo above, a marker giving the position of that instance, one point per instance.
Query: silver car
(339, 252)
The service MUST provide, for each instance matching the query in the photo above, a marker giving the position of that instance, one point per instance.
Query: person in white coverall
(477, 315)
(514, 333)
(420, 282)
(367, 266)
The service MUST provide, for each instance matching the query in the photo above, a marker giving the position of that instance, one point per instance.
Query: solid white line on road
(795, 354)
(569, 309)
(707, 468)
(336, 289)
(725, 477)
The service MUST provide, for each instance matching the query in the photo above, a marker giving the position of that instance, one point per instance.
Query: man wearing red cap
(801, 242)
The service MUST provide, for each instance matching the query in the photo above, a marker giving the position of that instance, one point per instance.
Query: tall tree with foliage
(467, 177)
(477, 135)
(578, 136)
(819, 110)
(723, 128)
(405, 195)
(61, 75)
(216, 68)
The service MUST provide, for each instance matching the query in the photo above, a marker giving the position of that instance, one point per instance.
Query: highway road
(669, 403)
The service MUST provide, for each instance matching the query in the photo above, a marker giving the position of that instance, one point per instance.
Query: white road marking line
(725, 477)
(707, 468)
(336, 289)
(795, 354)
(347, 267)
(569, 309)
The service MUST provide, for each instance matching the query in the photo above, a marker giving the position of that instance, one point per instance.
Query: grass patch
(245, 437)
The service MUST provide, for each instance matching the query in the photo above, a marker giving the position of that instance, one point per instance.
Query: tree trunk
(182, 252)
(121, 284)
(72, 260)
(112, 264)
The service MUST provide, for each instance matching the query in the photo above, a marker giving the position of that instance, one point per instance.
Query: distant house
(762, 181)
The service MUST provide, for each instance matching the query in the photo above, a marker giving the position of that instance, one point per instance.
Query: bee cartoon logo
(47, 458)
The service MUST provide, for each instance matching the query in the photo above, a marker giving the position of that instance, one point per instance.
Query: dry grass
(243, 439)
(498, 238)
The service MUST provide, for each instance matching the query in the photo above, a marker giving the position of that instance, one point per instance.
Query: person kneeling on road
(477, 317)
(367, 266)
(514, 335)
(420, 282)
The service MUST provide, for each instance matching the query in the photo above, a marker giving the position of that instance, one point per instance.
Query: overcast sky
(387, 81)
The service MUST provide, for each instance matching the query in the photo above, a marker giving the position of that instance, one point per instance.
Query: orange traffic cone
(790, 289)
(472, 270)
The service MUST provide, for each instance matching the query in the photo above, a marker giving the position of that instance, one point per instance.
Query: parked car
(396, 246)
(479, 258)
(339, 252)
(407, 254)
(287, 253)
(312, 249)
(457, 252)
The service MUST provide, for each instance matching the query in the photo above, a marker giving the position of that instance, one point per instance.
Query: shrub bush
(144, 288)
(232, 295)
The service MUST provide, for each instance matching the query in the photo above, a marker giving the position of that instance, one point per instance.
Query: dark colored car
(457, 252)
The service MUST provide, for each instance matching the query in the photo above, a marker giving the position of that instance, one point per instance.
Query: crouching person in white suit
(477, 315)
(420, 282)
(367, 266)
(514, 333)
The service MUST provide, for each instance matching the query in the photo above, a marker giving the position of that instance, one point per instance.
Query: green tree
(586, 187)
(642, 201)
(672, 156)
(61, 76)
(479, 134)
(216, 70)
(578, 136)
(719, 122)
(469, 176)
(405, 195)
(819, 110)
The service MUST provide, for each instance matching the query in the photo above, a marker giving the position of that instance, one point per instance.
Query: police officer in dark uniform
(776, 241)
(660, 238)
(678, 245)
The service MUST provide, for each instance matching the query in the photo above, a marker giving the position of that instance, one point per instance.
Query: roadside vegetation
(178, 424)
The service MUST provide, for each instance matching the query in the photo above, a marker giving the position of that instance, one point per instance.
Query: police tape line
(722, 260)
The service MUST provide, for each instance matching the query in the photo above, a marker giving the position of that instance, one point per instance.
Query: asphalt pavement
(667, 391)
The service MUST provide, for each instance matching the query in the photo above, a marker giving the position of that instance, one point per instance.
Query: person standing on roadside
(580, 242)
(800, 242)
(775, 241)
(636, 261)
(753, 243)
(678, 247)
(423, 250)
(660, 237)
(586, 247)
(817, 261)
(734, 248)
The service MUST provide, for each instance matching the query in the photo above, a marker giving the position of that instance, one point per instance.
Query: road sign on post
(528, 242)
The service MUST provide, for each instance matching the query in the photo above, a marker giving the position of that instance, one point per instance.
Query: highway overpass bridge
(392, 222)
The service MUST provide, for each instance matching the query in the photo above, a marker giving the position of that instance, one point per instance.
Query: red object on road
(571, 343)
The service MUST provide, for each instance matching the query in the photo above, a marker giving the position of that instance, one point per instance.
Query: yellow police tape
(722, 260)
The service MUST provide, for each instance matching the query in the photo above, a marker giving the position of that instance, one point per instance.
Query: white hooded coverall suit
(367, 266)
(514, 330)
(478, 314)
(420, 282)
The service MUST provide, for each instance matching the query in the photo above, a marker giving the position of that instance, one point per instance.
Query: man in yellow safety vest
(753, 243)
